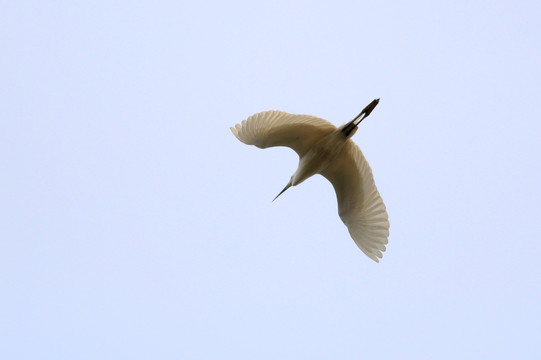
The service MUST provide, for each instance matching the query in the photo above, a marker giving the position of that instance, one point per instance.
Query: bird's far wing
(278, 128)
(359, 203)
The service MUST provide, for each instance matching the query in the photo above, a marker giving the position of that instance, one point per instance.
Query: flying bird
(328, 150)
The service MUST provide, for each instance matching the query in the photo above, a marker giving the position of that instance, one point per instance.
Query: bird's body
(327, 150)
(319, 156)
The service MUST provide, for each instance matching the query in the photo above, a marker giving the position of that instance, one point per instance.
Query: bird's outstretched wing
(278, 128)
(359, 203)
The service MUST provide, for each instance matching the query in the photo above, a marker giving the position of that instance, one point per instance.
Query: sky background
(134, 225)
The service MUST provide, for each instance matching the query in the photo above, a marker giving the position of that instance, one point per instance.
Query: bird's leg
(366, 111)
(362, 115)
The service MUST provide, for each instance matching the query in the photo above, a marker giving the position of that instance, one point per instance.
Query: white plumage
(327, 150)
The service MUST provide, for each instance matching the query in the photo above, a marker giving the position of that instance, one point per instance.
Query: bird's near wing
(359, 203)
(278, 128)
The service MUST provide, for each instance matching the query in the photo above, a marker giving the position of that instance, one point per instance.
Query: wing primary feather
(278, 128)
(359, 203)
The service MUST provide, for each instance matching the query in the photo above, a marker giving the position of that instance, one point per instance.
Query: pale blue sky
(133, 225)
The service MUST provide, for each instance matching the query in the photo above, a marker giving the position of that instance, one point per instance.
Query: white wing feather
(360, 205)
(278, 128)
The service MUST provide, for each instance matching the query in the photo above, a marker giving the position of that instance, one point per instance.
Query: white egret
(327, 150)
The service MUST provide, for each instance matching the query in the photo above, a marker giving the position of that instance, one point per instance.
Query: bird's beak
(281, 192)
(362, 115)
